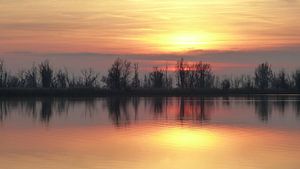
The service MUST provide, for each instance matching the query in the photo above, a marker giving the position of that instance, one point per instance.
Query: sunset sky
(232, 34)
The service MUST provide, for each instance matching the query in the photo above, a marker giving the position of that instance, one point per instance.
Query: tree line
(124, 75)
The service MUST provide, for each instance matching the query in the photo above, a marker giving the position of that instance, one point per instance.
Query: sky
(233, 35)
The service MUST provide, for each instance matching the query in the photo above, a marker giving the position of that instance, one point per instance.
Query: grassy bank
(87, 92)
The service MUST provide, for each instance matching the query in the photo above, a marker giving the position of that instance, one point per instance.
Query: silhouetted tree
(263, 76)
(31, 77)
(241, 82)
(237, 82)
(296, 79)
(125, 74)
(3, 75)
(181, 74)
(135, 81)
(89, 78)
(247, 82)
(198, 75)
(189, 75)
(168, 82)
(157, 78)
(118, 75)
(225, 84)
(204, 75)
(46, 73)
(281, 80)
(168, 79)
(21, 79)
(62, 79)
(217, 83)
(72, 82)
(146, 83)
(13, 81)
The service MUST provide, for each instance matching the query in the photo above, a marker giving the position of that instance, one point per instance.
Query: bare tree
(168, 82)
(191, 76)
(281, 80)
(46, 73)
(89, 77)
(118, 75)
(247, 82)
(147, 82)
(296, 79)
(237, 82)
(217, 82)
(125, 74)
(135, 81)
(263, 76)
(204, 75)
(226, 84)
(62, 79)
(181, 74)
(3, 75)
(13, 81)
(157, 78)
(198, 75)
(31, 77)
(21, 75)
(75, 81)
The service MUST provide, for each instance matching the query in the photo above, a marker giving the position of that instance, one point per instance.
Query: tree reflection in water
(46, 110)
(263, 108)
(121, 111)
(195, 109)
(296, 106)
(117, 109)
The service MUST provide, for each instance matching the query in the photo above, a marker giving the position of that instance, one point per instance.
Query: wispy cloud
(141, 26)
(223, 62)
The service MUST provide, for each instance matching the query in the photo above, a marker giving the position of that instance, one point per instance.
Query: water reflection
(263, 108)
(46, 110)
(132, 132)
(297, 106)
(157, 105)
(195, 109)
(122, 111)
(118, 111)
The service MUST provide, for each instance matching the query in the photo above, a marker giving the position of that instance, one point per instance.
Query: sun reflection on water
(187, 137)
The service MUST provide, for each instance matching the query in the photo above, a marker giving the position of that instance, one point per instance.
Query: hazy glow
(186, 137)
(134, 147)
(184, 41)
(147, 26)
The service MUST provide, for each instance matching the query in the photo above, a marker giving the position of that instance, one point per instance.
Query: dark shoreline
(97, 92)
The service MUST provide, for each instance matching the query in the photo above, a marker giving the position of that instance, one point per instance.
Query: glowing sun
(183, 41)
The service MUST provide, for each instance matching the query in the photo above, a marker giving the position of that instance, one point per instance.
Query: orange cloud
(148, 26)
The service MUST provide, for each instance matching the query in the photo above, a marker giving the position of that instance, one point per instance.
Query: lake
(244, 132)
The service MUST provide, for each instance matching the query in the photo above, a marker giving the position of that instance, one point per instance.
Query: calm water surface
(151, 133)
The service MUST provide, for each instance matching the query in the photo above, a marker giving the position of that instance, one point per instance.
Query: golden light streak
(186, 137)
(185, 41)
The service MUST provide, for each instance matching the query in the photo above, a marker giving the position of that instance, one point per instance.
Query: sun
(189, 41)
(186, 40)
(183, 41)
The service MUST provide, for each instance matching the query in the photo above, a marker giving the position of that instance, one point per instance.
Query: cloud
(224, 62)
(290, 1)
